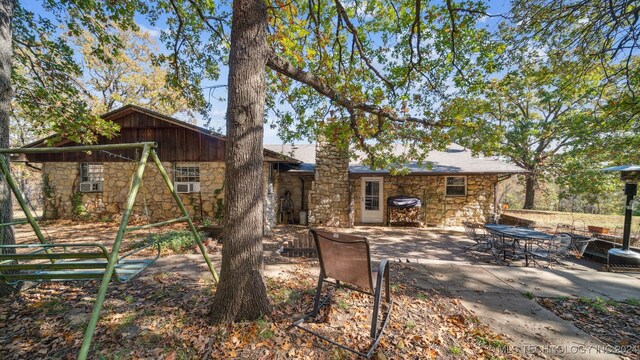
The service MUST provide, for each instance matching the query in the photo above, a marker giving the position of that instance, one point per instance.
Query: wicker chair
(346, 259)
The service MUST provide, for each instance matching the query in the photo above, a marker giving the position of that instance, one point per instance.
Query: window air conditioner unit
(187, 187)
(91, 186)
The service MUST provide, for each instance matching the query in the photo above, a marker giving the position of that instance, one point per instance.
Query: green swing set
(86, 261)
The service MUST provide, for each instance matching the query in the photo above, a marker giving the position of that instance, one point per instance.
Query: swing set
(86, 261)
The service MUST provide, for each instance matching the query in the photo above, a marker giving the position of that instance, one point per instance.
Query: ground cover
(615, 323)
(162, 315)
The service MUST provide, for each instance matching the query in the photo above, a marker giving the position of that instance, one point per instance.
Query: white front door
(372, 200)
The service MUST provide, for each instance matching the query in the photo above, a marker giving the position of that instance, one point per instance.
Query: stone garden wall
(61, 183)
(437, 209)
(330, 203)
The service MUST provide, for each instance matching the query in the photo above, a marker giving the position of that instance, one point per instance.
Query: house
(329, 189)
(98, 181)
(315, 183)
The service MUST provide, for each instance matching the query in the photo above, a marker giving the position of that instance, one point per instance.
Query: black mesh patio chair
(503, 247)
(552, 250)
(477, 233)
(345, 261)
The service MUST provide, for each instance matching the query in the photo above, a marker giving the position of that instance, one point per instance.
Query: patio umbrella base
(623, 257)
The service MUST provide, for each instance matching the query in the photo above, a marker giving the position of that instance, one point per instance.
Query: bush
(177, 241)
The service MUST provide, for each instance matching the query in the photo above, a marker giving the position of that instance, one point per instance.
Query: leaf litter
(164, 316)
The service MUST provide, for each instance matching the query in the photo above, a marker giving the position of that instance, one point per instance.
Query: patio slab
(495, 295)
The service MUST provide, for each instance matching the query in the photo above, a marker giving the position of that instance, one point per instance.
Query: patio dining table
(517, 233)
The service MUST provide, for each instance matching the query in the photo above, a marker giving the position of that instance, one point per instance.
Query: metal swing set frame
(82, 265)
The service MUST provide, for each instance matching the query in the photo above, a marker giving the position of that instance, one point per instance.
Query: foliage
(218, 216)
(58, 92)
(45, 74)
(532, 116)
(368, 75)
(78, 209)
(599, 33)
(131, 76)
(177, 241)
(600, 37)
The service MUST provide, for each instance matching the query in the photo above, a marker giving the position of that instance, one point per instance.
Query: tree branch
(285, 68)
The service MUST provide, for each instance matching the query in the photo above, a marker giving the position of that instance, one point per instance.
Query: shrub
(177, 241)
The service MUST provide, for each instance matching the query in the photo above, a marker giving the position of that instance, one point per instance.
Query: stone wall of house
(330, 203)
(437, 209)
(293, 183)
(29, 182)
(61, 183)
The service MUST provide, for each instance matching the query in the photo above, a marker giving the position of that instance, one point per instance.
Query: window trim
(446, 186)
(194, 186)
(97, 186)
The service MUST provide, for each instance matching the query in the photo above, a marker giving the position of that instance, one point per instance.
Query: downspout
(351, 210)
(302, 203)
(495, 191)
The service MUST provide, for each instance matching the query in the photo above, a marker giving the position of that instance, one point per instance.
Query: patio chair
(580, 243)
(476, 233)
(346, 259)
(578, 234)
(551, 250)
(564, 229)
(503, 247)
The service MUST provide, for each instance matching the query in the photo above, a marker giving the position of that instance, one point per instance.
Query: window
(91, 177)
(187, 177)
(456, 186)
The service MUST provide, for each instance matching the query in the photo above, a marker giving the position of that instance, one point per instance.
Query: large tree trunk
(6, 212)
(530, 191)
(241, 293)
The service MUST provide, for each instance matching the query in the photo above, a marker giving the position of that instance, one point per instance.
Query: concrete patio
(496, 292)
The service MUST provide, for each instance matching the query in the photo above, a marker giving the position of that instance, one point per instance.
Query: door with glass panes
(372, 206)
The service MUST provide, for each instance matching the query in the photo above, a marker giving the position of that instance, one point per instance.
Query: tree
(131, 76)
(368, 74)
(242, 292)
(41, 78)
(6, 210)
(531, 116)
(600, 33)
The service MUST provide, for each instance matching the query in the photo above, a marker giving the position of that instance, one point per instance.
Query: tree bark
(241, 293)
(6, 211)
(530, 191)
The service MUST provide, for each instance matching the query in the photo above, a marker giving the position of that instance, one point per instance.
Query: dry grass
(549, 219)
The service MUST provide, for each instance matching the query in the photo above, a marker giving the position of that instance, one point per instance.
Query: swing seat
(68, 262)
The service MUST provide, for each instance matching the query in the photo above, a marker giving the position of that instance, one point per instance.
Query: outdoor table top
(518, 232)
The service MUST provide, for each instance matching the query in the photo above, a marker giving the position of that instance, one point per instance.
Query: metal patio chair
(580, 237)
(477, 233)
(552, 250)
(346, 259)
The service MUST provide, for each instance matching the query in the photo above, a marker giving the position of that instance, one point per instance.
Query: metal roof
(623, 168)
(455, 159)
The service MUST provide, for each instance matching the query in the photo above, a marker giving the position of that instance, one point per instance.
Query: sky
(217, 96)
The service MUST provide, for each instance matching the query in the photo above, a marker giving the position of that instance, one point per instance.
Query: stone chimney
(330, 196)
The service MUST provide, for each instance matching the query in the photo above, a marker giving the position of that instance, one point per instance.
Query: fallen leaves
(614, 323)
(164, 316)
